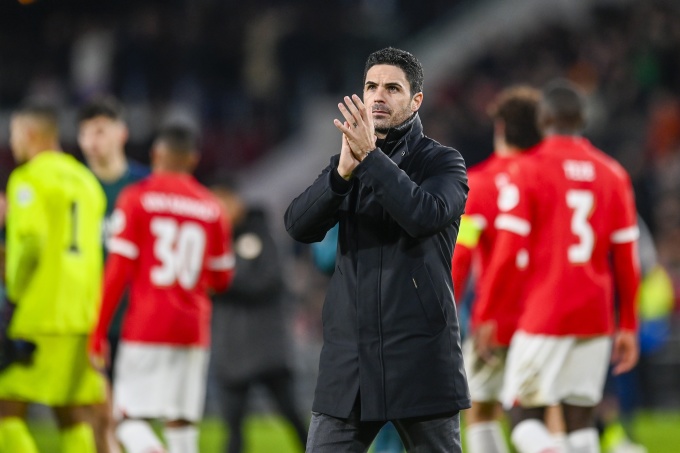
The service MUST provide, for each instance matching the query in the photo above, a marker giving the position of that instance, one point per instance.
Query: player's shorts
(160, 381)
(60, 374)
(544, 370)
(485, 378)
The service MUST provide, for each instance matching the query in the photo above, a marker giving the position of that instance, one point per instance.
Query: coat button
(403, 153)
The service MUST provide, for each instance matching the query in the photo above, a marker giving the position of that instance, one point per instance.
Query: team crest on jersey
(25, 195)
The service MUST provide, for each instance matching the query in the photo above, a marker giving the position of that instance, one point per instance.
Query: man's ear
(416, 101)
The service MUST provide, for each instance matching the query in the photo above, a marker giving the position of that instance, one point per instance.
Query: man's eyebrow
(387, 84)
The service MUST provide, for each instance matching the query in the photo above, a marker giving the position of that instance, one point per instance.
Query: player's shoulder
(608, 163)
(137, 171)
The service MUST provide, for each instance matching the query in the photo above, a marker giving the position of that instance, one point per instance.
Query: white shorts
(544, 370)
(160, 381)
(485, 379)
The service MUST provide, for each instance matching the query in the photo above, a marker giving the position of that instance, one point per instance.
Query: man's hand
(358, 127)
(484, 341)
(348, 161)
(625, 351)
(98, 351)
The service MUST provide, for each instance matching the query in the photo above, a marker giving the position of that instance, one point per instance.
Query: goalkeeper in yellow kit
(54, 272)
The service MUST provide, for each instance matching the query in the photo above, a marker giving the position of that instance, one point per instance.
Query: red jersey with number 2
(171, 244)
(573, 210)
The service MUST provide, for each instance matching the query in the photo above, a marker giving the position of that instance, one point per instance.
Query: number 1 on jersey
(581, 201)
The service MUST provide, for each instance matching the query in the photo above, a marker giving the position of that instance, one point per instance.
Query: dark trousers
(435, 434)
(279, 384)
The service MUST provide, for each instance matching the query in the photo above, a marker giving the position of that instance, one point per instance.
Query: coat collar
(400, 139)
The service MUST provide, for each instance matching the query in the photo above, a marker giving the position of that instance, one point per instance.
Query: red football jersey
(572, 208)
(171, 244)
(486, 180)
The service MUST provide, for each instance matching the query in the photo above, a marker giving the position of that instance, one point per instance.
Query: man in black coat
(391, 338)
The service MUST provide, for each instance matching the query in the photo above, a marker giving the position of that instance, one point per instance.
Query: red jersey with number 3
(171, 244)
(572, 208)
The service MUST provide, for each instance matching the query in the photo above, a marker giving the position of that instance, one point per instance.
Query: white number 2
(581, 201)
(179, 248)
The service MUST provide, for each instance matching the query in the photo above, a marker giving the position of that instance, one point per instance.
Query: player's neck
(42, 147)
(111, 170)
(564, 131)
(503, 149)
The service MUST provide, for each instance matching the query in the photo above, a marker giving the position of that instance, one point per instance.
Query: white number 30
(581, 201)
(180, 249)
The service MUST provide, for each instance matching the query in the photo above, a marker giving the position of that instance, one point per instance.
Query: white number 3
(581, 201)
(180, 249)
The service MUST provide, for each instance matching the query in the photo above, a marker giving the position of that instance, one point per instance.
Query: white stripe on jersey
(222, 263)
(122, 247)
(513, 224)
(624, 235)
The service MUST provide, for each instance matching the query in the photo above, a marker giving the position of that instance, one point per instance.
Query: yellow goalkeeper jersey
(54, 250)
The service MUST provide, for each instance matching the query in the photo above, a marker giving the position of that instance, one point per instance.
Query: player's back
(486, 181)
(54, 245)
(581, 205)
(175, 228)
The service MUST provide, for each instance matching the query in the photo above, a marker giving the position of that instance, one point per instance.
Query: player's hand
(98, 352)
(358, 126)
(348, 162)
(625, 351)
(484, 341)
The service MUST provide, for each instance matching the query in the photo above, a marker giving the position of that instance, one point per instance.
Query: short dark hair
(179, 138)
(564, 102)
(403, 60)
(517, 107)
(106, 106)
(43, 111)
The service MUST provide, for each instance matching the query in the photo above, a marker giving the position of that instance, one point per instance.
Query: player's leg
(103, 421)
(483, 431)
(137, 436)
(582, 435)
(76, 431)
(139, 394)
(234, 403)
(582, 380)
(534, 362)
(181, 436)
(104, 425)
(185, 372)
(329, 434)
(280, 384)
(14, 434)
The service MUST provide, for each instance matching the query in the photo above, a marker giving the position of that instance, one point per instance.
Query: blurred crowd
(627, 58)
(240, 70)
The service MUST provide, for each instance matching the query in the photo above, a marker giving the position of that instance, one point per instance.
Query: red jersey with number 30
(572, 208)
(171, 244)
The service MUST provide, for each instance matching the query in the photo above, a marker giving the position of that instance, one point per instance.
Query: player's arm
(461, 264)
(26, 233)
(123, 249)
(221, 261)
(627, 277)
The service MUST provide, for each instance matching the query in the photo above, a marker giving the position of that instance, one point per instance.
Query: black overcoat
(390, 327)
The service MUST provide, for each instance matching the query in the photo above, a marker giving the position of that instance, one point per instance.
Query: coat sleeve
(425, 209)
(315, 211)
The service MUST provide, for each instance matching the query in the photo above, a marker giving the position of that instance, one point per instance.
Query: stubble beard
(383, 125)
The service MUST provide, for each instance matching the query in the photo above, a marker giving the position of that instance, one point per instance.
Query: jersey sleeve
(123, 248)
(26, 232)
(220, 261)
(461, 263)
